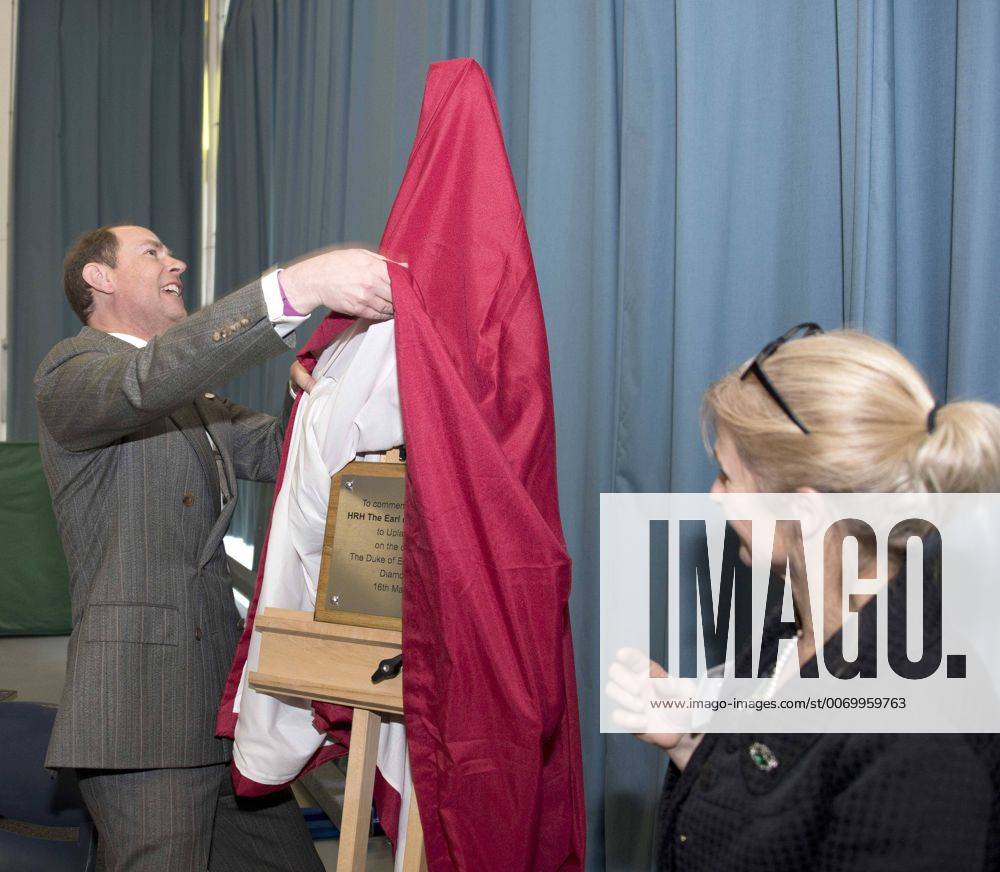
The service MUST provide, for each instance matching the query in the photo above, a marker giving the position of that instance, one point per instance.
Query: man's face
(147, 281)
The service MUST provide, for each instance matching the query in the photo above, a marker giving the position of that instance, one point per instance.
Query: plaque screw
(349, 484)
(335, 599)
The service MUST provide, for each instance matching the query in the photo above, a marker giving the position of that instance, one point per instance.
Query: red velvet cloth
(489, 686)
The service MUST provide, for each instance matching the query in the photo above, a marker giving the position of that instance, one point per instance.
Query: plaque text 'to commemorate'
(361, 574)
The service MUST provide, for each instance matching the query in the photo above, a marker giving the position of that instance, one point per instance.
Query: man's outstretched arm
(88, 397)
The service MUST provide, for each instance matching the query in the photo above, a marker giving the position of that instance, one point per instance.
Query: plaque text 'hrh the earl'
(365, 566)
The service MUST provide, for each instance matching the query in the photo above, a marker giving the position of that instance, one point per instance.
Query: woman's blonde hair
(866, 407)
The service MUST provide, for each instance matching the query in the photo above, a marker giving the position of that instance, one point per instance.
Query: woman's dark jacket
(854, 802)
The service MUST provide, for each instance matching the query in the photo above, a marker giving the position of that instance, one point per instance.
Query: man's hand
(352, 281)
(300, 379)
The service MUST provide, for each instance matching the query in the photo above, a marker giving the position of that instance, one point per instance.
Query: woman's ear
(812, 513)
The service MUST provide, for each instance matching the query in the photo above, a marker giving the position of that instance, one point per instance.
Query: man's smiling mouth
(172, 288)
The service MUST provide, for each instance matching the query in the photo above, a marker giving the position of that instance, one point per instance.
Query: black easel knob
(388, 668)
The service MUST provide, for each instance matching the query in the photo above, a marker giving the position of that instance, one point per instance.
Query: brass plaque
(361, 573)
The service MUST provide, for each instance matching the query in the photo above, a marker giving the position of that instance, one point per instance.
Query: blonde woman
(836, 412)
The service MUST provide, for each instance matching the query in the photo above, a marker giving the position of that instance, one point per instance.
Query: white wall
(8, 42)
(215, 25)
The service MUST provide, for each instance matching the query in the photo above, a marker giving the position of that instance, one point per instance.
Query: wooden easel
(295, 656)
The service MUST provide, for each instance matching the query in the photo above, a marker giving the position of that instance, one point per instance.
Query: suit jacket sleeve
(89, 396)
(256, 443)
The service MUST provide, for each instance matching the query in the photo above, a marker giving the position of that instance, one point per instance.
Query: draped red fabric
(489, 685)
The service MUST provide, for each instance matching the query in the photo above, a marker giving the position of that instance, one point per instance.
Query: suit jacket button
(188, 499)
(216, 336)
(197, 633)
(241, 624)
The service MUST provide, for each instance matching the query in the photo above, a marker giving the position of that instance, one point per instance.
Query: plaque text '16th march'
(366, 563)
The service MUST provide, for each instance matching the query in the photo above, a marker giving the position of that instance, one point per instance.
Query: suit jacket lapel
(187, 421)
(207, 415)
(191, 419)
(210, 419)
(217, 532)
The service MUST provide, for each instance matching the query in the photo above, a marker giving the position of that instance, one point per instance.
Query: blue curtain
(696, 177)
(107, 129)
(319, 104)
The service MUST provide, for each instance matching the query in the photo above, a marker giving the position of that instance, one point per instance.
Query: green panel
(34, 581)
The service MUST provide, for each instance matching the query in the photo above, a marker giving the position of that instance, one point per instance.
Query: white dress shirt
(352, 411)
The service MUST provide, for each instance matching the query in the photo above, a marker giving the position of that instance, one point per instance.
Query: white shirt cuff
(282, 323)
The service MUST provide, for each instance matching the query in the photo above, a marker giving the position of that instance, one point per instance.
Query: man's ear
(96, 275)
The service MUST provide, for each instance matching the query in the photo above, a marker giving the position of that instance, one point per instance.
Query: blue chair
(44, 826)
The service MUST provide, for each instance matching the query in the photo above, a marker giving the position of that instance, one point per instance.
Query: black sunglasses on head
(799, 331)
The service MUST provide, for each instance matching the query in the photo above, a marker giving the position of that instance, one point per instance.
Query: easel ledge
(296, 653)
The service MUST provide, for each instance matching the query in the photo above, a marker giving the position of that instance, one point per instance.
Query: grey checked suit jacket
(137, 500)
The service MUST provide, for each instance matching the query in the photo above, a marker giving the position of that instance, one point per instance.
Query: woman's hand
(300, 379)
(631, 686)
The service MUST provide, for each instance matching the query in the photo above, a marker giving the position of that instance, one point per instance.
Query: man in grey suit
(142, 462)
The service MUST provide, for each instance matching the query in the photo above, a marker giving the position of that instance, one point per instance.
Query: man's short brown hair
(96, 246)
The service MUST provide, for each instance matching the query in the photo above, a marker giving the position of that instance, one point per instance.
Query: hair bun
(966, 455)
(932, 417)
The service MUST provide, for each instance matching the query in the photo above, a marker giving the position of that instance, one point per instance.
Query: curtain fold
(107, 129)
(695, 179)
(975, 225)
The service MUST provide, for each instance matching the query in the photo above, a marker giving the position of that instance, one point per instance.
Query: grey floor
(34, 666)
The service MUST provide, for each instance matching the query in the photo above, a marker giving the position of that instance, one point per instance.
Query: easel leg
(414, 859)
(354, 827)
